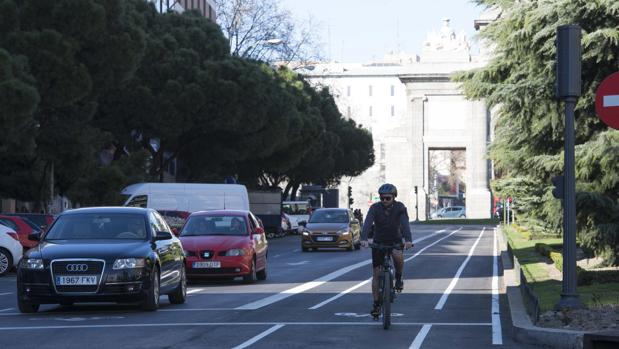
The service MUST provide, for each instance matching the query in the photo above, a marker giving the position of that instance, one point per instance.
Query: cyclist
(390, 221)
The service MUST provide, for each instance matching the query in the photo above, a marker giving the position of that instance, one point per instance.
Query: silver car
(450, 212)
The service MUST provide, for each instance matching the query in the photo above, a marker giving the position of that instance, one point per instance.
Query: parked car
(297, 212)
(10, 249)
(113, 254)
(331, 227)
(450, 212)
(23, 227)
(226, 244)
(41, 220)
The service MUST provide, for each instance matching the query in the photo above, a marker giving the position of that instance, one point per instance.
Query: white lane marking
(308, 285)
(301, 288)
(205, 324)
(5, 293)
(7, 309)
(195, 290)
(298, 263)
(420, 337)
(341, 294)
(611, 101)
(297, 250)
(497, 336)
(198, 309)
(370, 279)
(258, 337)
(355, 315)
(277, 255)
(432, 244)
(454, 281)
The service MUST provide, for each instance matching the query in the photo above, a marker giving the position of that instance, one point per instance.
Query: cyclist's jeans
(398, 263)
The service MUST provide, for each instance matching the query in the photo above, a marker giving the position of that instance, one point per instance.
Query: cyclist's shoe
(399, 285)
(375, 310)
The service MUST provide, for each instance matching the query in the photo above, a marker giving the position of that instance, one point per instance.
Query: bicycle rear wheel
(386, 299)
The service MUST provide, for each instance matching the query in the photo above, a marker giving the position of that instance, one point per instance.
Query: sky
(364, 30)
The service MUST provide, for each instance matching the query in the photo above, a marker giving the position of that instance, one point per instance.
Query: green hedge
(585, 277)
(554, 255)
(589, 277)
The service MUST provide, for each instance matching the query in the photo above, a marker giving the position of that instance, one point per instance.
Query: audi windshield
(93, 226)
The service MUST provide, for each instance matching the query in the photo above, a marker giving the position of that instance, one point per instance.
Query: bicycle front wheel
(386, 299)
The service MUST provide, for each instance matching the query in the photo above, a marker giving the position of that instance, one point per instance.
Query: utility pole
(569, 89)
(416, 204)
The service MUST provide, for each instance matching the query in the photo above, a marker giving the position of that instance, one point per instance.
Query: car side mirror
(259, 231)
(303, 224)
(34, 236)
(162, 235)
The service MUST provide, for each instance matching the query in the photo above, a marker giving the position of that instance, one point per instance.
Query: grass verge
(548, 290)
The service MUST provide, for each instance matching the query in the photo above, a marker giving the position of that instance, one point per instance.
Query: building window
(348, 91)
(348, 112)
(370, 90)
(370, 110)
(392, 110)
(392, 90)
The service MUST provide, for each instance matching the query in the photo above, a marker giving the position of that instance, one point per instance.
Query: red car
(22, 227)
(225, 244)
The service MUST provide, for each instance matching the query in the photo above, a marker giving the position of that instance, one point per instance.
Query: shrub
(588, 277)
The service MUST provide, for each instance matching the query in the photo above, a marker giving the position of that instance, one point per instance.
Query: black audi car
(107, 254)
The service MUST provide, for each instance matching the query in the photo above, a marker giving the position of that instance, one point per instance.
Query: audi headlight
(235, 252)
(128, 263)
(306, 233)
(32, 263)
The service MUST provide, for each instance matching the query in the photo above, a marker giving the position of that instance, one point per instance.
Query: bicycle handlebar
(393, 246)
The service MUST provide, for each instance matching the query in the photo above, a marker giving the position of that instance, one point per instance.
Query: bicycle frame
(386, 279)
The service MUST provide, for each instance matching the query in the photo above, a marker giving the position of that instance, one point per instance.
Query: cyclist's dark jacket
(391, 225)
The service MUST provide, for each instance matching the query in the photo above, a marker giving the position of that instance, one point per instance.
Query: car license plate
(214, 264)
(324, 238)
(80, 280)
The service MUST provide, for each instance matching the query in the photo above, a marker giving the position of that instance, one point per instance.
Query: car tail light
(14, 236)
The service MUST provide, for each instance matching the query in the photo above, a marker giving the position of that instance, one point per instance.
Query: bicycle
(385, 282)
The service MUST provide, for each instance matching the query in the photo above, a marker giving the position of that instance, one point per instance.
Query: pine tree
(528, 145)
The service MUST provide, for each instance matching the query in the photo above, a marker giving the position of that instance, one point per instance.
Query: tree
(18, 102)
(262, 30)
(519, 81)
(75, 50)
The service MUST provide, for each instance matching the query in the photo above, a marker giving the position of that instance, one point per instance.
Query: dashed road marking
(6, 293)
(420, 337)
(258, 337)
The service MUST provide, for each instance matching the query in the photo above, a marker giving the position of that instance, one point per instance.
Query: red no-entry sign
(607, 101)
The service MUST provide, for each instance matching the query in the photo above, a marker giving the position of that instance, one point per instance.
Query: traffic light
(415, 189)
(350, 199)
(558, 182)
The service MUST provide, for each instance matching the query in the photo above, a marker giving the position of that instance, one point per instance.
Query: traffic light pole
(569, 57)
(569, 296)
(416, 205)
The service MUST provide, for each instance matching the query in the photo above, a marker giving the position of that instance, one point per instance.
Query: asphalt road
(310, 299)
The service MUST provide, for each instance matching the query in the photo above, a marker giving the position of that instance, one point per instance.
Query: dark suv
(115, 254)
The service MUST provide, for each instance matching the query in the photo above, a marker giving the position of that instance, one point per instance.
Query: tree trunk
(295, 189)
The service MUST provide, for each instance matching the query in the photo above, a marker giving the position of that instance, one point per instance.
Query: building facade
(414, 110)
(205, 7)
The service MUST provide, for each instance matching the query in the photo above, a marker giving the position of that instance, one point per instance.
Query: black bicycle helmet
(388, 189)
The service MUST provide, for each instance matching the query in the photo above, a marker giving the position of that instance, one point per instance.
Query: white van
(296, 212)
(187, 197)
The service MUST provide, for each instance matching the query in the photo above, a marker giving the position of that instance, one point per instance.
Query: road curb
(523, 329)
